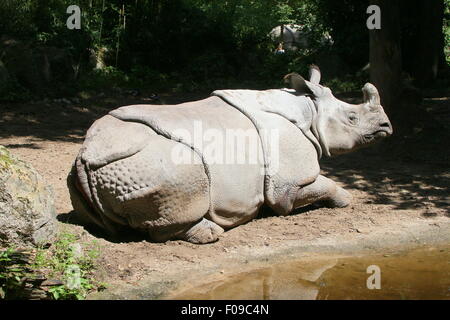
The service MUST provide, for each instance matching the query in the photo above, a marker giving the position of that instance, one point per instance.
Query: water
(416, 274)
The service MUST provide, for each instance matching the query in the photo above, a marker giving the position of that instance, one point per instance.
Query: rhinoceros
(192, 170)
(294, 37)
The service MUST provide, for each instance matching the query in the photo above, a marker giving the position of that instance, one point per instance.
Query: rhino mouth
(379, 134)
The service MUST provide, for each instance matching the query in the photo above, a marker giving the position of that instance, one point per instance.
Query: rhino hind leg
(204, 231)
(323, 191)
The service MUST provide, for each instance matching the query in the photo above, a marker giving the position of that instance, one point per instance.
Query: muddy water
(417, 274)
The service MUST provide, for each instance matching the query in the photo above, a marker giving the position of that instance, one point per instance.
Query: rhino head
(342, 127)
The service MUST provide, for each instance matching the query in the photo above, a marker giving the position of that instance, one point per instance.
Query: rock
(51, 283)
(27, 212)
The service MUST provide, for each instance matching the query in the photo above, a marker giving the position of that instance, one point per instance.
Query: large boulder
(27, 212)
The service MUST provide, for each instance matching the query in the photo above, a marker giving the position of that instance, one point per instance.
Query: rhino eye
(353, 118)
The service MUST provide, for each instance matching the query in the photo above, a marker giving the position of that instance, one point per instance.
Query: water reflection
(417, 274)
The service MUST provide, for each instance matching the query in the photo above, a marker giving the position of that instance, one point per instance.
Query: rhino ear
(314, 74)
(371, 94)
(296, 81)
(302, 86)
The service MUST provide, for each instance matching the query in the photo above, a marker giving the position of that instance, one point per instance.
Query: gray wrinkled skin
(125, 176)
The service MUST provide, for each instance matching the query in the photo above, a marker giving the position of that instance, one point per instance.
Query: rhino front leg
(202, 232)
(324, 191)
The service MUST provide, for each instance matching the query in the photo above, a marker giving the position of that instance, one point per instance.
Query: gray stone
(27, 212)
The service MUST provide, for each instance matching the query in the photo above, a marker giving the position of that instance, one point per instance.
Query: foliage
(65, 256)
(188, 44)
(206, 40)
(16, 18)
(348, 83)
(66, 260)
(350, 38)
(12, 273)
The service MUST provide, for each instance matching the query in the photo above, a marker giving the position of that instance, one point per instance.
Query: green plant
(68, 261)
(104, 78)
(13, 272)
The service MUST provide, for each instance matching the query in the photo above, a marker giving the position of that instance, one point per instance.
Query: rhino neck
(311, 130)
(301, 111)
(317, 127)
(298, 109)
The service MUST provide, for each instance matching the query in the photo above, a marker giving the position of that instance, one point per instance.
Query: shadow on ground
(391, 181)
(125, 234)
(68, 119)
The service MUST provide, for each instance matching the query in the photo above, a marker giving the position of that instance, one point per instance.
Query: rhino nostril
(387, 127)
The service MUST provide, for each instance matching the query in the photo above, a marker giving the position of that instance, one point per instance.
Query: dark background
(205, 44)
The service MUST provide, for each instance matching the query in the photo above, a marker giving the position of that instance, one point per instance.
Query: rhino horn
(371, 94)
(314, 74)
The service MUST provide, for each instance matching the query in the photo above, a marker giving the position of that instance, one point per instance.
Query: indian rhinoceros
(192, 170)
(294, 37)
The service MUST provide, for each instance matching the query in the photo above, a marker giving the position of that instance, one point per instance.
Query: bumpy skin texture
(125, 174)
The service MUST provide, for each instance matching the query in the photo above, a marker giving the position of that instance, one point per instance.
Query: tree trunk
(430, 41)
(385, 54)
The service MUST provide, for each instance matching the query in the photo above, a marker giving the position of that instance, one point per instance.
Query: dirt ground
(391, 193)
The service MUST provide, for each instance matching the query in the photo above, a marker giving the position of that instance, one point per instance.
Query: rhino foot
(204, 231)
(340, 199)
(323, 192)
